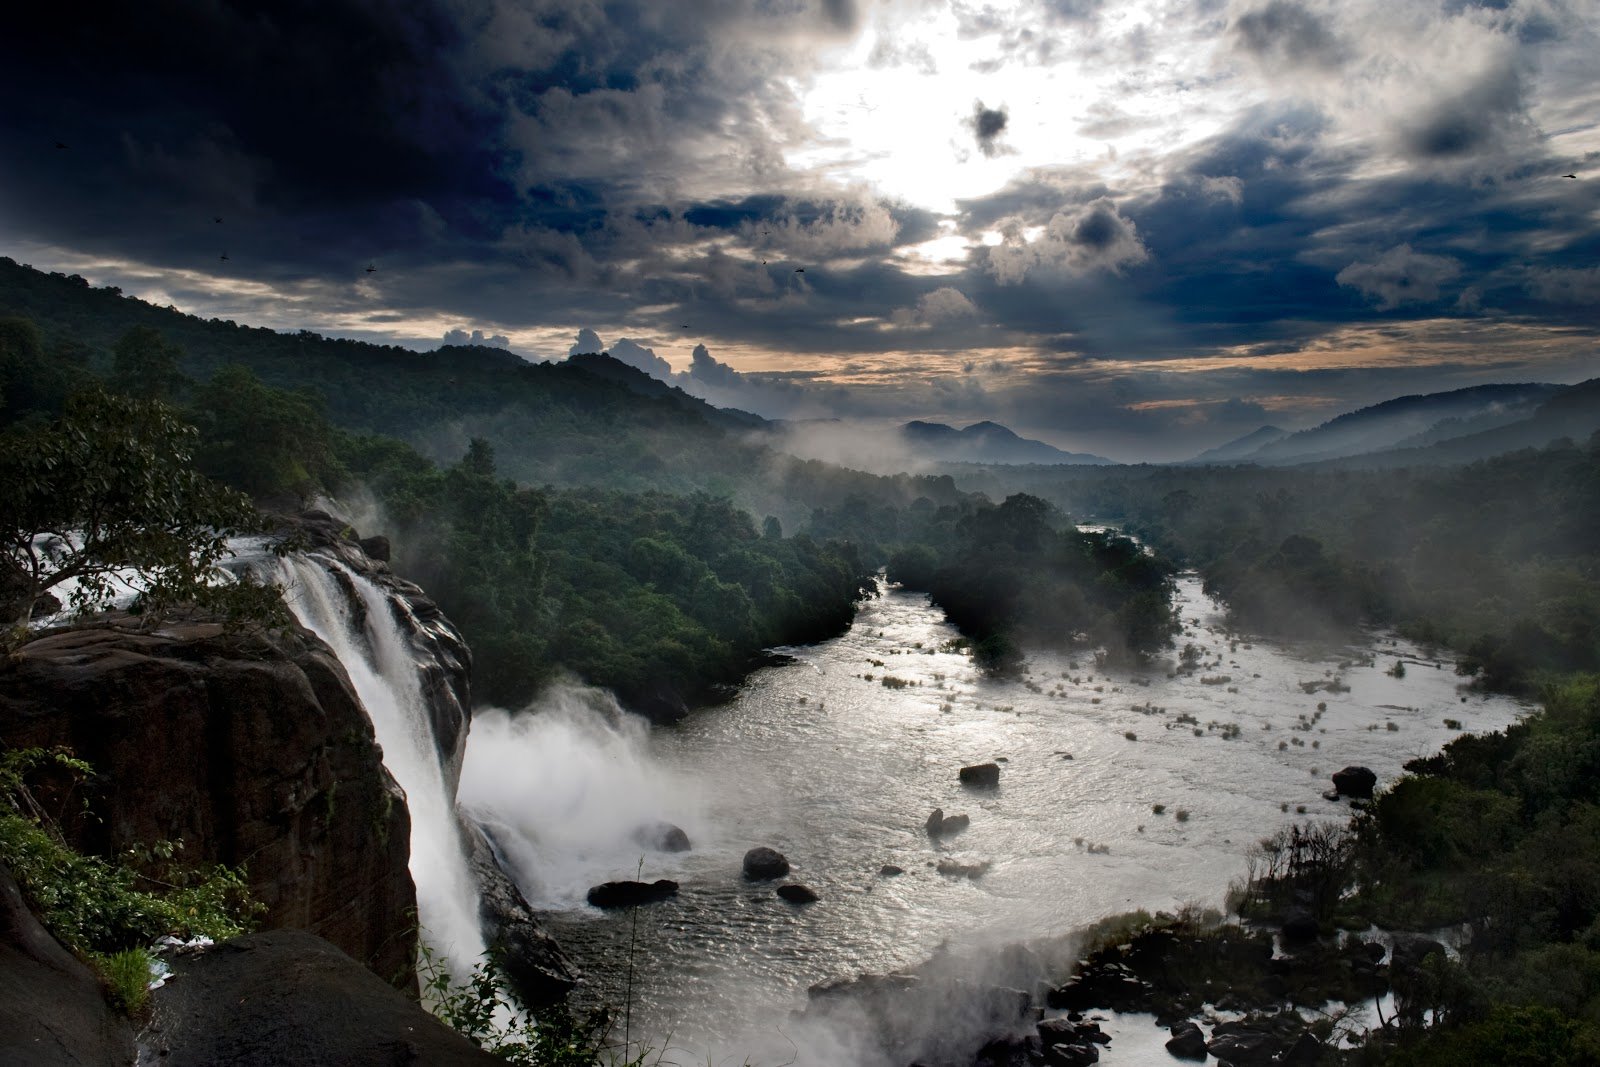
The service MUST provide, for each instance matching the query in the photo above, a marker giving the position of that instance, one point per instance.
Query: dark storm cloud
(987, 124)
(1285, 33)
(1487, 113)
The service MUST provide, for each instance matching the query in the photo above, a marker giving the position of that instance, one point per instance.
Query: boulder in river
(662, 837)
(627, 894)
(957, 869)
(1355, 782)
(795, 893)
(889, 870)
(981, 775)
(762, 863)
(939, 824)
(376, 547)
(1300, 925)
(1188, 1041)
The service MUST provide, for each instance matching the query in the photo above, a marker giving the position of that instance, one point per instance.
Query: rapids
(836, 759)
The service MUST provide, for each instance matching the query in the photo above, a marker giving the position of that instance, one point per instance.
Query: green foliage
(1525, 1036)
(1018, 573)
(99, 906)
(268, 442)
(479, 1009)
(127, 977)
(144, 365)
(108, 493)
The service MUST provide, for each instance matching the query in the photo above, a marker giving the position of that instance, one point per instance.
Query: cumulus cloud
(641, 358)
(476, 337)
(708, 370)
(1400, 276)
(944, 305)
(987, 125)
(588, 342)
(1093, 237)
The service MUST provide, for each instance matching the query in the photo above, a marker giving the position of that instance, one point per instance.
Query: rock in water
(376, 546)
(762, 863)
(981, 775)
(1188, 1041)
(1300, 925)
(663, 837)
(628, 894)
(1355, 782)
(889, 870)
(795, 893)
(939, 824)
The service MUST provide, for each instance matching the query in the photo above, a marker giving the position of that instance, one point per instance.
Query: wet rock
(377, 546)
(539, 972)
(761, 863)
(1073, 1055)
(889, 870)
(795, 893)
(662, 837)
(957, 869)
(628, 894)
(1188, 1041)
(1411, 949)
(1300, 926)
(1305, 1052)
(1246, 1049)
(981, 775)
(1355, 782)
(941, 825)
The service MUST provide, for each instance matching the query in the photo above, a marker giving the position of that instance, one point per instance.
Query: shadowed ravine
(840, 773)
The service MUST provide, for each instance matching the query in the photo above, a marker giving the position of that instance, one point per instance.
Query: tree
(145, 364)
(268, 442)
(107, 496)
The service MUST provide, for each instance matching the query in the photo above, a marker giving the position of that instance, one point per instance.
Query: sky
(1138, 229)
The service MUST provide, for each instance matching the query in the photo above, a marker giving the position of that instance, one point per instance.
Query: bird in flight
(224, 257)
(799, 270)
(370, 268)
(1569, 175)
(60, 145)
(217, 218)
(683, 325)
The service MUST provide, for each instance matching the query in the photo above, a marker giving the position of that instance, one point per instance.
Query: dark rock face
(538, 970)
(52, 1013)
(1357, 782)
(981, 775)
(290, 997)
(762, 863)
(1188, 1041)
(889, 870)
(795, 893)
(662, 837)
(252, 749)
(628, 894)
(377, 547)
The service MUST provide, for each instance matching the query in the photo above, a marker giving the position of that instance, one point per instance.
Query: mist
(565, 788)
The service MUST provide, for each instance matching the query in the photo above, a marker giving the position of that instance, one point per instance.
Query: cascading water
(382, 667)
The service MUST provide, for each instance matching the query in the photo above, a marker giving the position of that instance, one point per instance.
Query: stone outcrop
(288, 997)
(250, 748)
(539, 972)
(52, 1013)
(1357, 782)
(980, 775)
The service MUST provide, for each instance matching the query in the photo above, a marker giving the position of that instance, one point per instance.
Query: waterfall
(355, 617)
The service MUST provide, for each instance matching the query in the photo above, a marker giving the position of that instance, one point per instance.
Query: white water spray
(381, 665)
(565, 790)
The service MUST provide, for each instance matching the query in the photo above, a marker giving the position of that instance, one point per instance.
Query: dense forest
(1495, 559)
(599, 524)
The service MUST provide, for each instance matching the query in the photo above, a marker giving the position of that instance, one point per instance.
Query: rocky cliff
(250, 748)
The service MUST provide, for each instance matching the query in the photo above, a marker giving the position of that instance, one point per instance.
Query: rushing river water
(836, 759)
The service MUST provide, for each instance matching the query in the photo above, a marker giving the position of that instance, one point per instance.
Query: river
(837, 757)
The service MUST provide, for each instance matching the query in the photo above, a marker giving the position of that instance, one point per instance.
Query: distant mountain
(1395, 423)
(1240, 447)
(985, 442)
(1573, 412)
